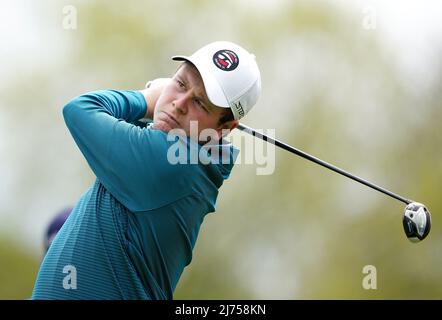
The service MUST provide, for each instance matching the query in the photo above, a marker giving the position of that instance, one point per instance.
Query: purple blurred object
(55, 225)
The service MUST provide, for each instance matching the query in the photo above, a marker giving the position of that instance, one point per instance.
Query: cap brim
(213, 90)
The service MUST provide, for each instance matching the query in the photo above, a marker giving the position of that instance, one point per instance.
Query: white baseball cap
(230, 74)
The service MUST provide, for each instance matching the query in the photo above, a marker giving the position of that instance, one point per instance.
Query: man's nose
(181, 102)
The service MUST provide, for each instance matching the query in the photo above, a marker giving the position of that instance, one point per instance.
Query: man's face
(184, 100)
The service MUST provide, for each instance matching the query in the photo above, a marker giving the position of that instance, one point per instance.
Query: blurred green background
(356, 83)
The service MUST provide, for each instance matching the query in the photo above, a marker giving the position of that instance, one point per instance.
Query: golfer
(131, 234)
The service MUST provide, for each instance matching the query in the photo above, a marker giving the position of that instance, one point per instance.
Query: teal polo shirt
(131, 234)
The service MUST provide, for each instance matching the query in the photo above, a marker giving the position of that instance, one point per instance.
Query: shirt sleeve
(130, 161)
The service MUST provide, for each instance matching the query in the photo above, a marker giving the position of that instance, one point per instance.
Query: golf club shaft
(304, 155)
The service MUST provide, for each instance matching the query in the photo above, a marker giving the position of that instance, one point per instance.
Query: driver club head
(416, 221)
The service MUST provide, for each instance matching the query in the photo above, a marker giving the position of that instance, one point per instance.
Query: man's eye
(180, 84)
(200, 104)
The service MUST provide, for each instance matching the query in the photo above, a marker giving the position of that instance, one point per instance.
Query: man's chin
(161, 126)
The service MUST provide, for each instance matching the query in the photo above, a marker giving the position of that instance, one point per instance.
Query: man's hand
(153, 90)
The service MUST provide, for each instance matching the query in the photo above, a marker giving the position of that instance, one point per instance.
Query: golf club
(416, 219)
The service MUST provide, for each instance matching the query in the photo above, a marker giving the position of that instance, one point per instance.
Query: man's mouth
(171, 119)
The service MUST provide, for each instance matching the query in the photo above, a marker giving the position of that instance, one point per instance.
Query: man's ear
(227, 127)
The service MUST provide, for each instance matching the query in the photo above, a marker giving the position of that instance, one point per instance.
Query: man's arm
(128, 160)
(152, 93)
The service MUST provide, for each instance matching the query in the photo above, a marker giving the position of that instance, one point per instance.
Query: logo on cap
(226, 60)
(239, 109)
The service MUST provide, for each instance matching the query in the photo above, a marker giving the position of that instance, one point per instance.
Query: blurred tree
(329, 88)
(18, 270)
